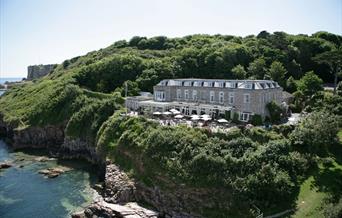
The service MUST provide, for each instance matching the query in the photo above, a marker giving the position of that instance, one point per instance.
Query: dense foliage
(256, 166)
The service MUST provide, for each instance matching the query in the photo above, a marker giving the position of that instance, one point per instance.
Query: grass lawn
(309, 200)
(324, 183)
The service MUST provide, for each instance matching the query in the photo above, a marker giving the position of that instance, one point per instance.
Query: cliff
(37, 71)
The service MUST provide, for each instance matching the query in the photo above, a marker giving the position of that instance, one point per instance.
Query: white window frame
(179, 94)
(244, 117)
(221, 97)
(246, 98)
(159, 96)
(231, 97)
(212, 96)
(194, 95)
(186, 94)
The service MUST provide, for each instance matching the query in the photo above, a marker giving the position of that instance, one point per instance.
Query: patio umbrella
(222, 121)
(205, 115)
(179, 116)
(156, 113)
(195, 117)
(167, 113)
(205, 118)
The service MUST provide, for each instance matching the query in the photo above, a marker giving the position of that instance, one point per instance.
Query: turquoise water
(25, 193)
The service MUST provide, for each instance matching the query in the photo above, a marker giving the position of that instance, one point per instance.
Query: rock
(44, 159)
(53, 172)
(129, 210)
(98, 187)
(21, 166)
(5, 165)
(52, 175)
(79, 214)
(118, 187)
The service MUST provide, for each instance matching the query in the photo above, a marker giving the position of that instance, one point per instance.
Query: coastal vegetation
(268, 169)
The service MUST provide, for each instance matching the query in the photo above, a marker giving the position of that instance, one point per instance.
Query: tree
(277, 72)
(316, 132)
(333, 59)
(291, 84)
(275, 111)
(239, 72)
(309, 84)
(257, 68)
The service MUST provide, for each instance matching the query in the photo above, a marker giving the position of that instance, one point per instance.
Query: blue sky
(50, 31)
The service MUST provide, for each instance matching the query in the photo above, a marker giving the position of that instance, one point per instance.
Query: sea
(8, 79)
(26, 193)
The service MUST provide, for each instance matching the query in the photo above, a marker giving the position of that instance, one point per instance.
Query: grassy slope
(318, 187)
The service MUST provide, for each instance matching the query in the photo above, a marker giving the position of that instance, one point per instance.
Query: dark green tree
(257, 68)
(309, 84)
(277, 73)
(333, 59)
(239, 72)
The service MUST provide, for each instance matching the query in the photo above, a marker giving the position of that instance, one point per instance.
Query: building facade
(210, 96)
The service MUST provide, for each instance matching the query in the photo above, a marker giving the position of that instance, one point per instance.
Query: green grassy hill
(274, 170)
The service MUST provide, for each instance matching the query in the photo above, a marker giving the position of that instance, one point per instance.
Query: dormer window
(187, 83)
(206, 84)
(248, 85)
(197, 83)
(230, 85)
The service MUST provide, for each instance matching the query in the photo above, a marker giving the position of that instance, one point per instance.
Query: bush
(332, 210)
(235, 118)
(275, 111)
(257, 120)
(317, 132)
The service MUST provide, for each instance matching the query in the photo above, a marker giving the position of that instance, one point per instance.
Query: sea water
(8, 79)
(26, 193)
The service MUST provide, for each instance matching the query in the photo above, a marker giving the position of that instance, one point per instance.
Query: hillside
(245, 168)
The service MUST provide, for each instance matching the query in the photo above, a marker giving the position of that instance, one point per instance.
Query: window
(186, 94)
(231, 85)
(159, 96)
(246, 98)
(208, 84)
(244, 116)
(194, 95)
(221, 97)
(179, 94)
(187, 83)
(231, 98)
(219, 84)
(212, 96)
(178, 83)
(248, 85)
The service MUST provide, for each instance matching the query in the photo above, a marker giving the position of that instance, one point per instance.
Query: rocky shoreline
(119, 194)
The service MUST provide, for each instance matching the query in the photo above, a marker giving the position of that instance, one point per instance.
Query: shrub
(317, 132)
(257, 120)
(275, 111)
(235, 118)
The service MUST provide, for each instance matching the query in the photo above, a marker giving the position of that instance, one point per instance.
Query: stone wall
(37, 71)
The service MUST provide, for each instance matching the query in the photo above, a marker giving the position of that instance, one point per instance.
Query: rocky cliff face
(37, 71)
(51, 137)
(119, 188)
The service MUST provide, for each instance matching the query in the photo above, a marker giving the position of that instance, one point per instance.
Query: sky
(51, 31)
